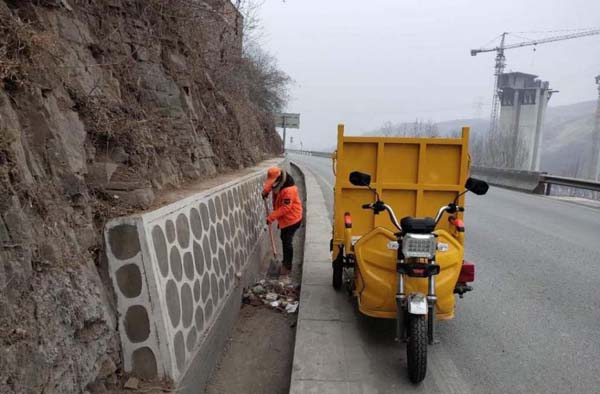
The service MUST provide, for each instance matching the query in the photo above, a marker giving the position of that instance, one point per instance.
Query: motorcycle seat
(413, 225)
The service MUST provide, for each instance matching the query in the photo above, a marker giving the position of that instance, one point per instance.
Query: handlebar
(380, 205)
(451, 208)
(390, 211)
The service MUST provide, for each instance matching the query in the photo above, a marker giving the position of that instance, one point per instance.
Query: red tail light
(347, 220)
(458, 223)
(467, 272)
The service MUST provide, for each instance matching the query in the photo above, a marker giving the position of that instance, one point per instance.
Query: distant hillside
(429, 128)
(567, 134)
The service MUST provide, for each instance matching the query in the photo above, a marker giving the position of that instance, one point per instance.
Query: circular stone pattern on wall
(208, 311)
(197, 290)
(144, 363)
(216, 266)
(213, 239)
(190, 342)
(124, 241)
(170, 228)
(205, 216)
(214, 288)
(205, 287)
(176, 268)
(187, 305)
(179, 346)
(173, 303)
(221, 288)
(225, 204)
(129, 280)
(160, 248)
(188, 265)
(196, 223)
(211, 211)
(230, 199)
(220, 233)
(207, 254)
(222, 262)
(198, 258)
(219, 207)
(199, 318)
(183, 231)
(137, 325)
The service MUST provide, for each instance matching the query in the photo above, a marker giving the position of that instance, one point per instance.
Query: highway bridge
(530, 326)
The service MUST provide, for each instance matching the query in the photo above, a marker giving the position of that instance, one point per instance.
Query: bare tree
(387, 130)
(418, 128)
(268, 85)
(252, 29)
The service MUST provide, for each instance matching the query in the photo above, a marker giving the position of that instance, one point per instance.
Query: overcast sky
(367, 62)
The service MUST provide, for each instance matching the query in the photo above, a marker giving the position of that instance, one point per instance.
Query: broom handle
(272, 242)
(270, 230)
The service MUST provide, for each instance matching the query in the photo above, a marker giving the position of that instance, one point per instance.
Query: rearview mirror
(358, 178)
(477, 186)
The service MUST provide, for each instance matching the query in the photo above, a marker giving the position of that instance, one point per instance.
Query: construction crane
(501, 62)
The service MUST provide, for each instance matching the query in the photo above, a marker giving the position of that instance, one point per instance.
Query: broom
(273, 265)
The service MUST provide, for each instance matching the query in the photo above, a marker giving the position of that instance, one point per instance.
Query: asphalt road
(532, 324)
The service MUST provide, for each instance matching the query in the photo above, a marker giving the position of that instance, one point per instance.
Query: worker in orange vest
(287, 211)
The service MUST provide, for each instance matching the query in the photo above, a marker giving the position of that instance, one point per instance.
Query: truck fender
(417, 304)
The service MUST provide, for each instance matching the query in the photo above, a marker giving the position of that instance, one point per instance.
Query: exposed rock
(107, 367)
(97, 100)
(4, 236)
(132, 384)
(139, 198)
(97, 388)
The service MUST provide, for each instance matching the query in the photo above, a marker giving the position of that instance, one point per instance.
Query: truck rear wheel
(416, 348)
(338, 270)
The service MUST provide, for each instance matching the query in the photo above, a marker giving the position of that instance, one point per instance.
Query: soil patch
(258, 358)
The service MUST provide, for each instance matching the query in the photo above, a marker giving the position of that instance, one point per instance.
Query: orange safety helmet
(273, 175)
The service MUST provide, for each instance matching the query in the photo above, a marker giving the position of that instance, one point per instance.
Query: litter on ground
(276, 294)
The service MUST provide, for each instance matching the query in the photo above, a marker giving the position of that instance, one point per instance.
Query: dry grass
(24, 51)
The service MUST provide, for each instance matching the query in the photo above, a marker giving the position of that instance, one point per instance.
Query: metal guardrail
(576, 183)
(310, 153)
(529, 181)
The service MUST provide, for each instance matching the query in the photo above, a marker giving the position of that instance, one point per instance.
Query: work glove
(270, 220)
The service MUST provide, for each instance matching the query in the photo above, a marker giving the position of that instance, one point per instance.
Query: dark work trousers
(287, 237)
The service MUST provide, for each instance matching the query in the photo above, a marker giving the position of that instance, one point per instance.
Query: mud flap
(417, 304)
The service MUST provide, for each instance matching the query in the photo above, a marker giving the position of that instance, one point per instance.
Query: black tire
(337, 274)
(416, 348)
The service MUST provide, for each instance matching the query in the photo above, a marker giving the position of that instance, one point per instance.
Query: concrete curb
(318, 365)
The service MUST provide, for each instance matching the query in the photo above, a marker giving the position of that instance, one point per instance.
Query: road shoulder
(319, 360)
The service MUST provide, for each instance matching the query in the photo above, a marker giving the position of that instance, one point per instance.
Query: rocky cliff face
(102, 104)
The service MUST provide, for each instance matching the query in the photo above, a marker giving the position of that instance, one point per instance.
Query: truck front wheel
(416, 348)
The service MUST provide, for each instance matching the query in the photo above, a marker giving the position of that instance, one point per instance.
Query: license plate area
(418, 270)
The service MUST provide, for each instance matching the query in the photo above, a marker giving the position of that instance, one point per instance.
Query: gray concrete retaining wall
(178, 274)
(527, 181)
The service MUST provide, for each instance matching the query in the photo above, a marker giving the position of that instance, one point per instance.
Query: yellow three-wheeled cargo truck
(398, 232)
